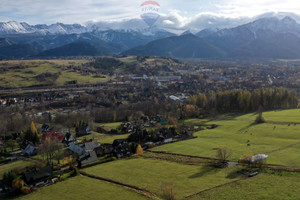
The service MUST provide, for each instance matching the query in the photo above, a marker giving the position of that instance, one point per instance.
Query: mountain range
(12, 27)
(184, 46)
(263, 38)
(269, 37)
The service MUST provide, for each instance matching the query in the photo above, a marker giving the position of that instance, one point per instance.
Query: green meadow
(83, 188)
(263, 186)
(15, 74)
(242, 136)
(105, 138)
(190, 178)
(284, 116)
(150, 174)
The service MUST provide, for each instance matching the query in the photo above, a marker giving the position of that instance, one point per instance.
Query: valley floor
(189, 174)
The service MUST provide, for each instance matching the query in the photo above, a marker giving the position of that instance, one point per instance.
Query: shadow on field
(233, 175)
(247, 127)
(205, 171)
(231, 116)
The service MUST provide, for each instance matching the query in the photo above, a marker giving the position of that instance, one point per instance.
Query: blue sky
(80, 11)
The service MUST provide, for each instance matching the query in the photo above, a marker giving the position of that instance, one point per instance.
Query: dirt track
(141, 191)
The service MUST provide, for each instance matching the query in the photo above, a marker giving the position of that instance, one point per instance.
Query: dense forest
(245, 101)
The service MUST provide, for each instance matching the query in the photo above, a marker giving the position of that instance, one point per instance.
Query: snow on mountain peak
(289, 21)
(13, 27)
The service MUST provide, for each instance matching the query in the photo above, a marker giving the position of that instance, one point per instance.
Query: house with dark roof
(46, 128)
(29, 150)
(126, 127)
(83, 131)
(69, 138)
(87, 153)
(121, 148)
(166, 137)
(76, 149)
(90, 146)
(87, 158)
(94, 146)
(118, 142)
(23, 144)
(39, 177)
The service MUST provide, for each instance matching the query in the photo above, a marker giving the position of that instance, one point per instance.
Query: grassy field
(263, 186)
(289, 157)
(279, 138)
(83, 188)
(28, 73)
(150, 174)
(30, 62)
(110, 138)
(113, 125)
(236, 133)
(67, 76)
(105, 138)
(287, 116)
(14, 165)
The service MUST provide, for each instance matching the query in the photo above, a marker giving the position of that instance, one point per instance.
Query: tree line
(245, 101)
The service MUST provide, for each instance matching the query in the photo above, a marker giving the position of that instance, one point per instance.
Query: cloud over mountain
(176, 15)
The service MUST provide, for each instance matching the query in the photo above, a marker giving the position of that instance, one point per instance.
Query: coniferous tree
(32, 134)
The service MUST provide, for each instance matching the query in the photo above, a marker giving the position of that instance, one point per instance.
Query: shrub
(26, 190)
(167, 191)
(247, 160)
(61, 178)
(18, 184)
(260, 119)
(139, 150)
(67, 160)
(133, 147)
(173, 121)
(8, 178)
(75, 171)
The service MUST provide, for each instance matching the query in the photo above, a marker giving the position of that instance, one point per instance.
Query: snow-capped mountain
(13, 27)
(259, 28)
(131, 38)
(187, 32)
(266, 37)
(273, 24)
(60, 28)
(270, 37)
(166, 23)
(207, 32)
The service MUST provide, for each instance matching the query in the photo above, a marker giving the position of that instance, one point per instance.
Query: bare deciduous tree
(51, 149)
(223, 154)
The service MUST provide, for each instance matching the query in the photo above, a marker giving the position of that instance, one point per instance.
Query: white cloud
(168, 22)
(252, 8)
(176, 14)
